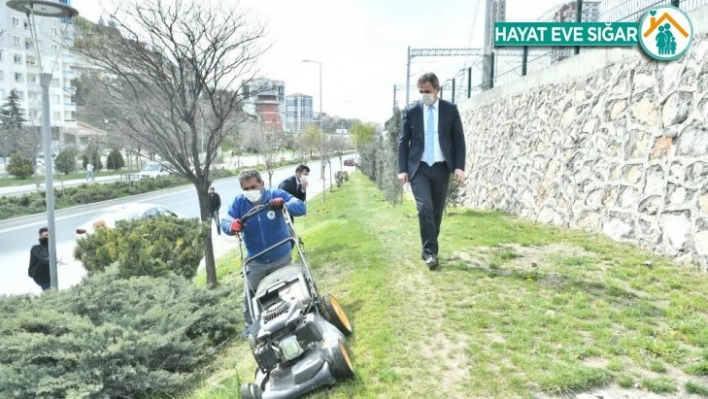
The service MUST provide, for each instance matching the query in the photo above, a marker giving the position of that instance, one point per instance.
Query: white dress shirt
(426, 109)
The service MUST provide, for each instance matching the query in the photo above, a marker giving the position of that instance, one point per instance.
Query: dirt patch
(444, 352)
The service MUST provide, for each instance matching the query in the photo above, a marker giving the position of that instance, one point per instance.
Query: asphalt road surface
(18, 235)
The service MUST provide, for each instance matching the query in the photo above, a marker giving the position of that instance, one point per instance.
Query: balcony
(70, 89)
(69, 73)
(69, 106)
(69, 122)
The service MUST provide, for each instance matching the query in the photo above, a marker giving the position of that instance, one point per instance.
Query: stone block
(617, 109)
(661, 148)
(701, 240)
(637, 144)
(669, 75)
(549, 215)
(703, 204)
(590, 221)
(654, 182)
(628, 197)
(632, 174)
(693, 141)
(619, 227)
(651, 205)
(676, 228)
(645, 112)
(676, 108)
(696, 173)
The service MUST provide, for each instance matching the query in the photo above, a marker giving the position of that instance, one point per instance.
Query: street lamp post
(321, 130)
(31, 9)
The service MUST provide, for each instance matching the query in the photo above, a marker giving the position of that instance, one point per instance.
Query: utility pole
(579, 18)
(408, 77)
(486, 57)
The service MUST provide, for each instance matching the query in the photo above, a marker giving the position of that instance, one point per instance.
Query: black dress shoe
(432, 262)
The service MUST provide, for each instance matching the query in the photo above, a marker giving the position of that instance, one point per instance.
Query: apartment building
(298, 112)
(19, 66)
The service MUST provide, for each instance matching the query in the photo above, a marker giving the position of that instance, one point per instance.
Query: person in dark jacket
(39, 261)
(214, 206)
(296, 185)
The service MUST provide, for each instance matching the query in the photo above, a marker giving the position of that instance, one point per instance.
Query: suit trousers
(429, 185)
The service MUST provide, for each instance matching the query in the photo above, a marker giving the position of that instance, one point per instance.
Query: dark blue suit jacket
(411, 140)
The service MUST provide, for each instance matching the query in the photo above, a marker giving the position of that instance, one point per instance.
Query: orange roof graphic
(655, 24)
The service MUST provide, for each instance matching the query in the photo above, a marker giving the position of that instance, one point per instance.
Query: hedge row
(112, 338)
(33, 203)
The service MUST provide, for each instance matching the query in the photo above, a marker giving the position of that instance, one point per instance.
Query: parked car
(152, 170)
(349, 162)
(134, 210)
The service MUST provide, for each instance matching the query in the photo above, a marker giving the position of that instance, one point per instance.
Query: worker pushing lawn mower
(296, 335)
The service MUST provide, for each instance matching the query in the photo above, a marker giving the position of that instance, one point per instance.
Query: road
(18, 235)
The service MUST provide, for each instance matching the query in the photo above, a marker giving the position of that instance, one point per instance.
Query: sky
(362, 45)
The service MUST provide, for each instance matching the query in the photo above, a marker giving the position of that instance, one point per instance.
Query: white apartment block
(19, 66)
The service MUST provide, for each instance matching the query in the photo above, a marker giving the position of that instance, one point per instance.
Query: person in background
(296, 184)
(263, 230)
(89, 171)
(214, 206)
(39, 261)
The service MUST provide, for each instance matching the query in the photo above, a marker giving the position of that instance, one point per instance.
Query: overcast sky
(362, 44)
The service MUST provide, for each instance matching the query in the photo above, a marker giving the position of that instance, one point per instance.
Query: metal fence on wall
(510, 64)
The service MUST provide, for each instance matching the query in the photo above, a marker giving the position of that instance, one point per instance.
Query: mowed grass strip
(519, 309)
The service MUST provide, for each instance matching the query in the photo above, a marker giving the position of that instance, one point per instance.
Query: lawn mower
(297, 335)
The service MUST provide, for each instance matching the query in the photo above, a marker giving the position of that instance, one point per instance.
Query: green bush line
(34, 203)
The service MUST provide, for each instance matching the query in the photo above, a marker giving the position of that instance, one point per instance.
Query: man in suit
(431, 146)
(296, 185)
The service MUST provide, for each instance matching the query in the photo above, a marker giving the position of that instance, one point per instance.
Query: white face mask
(303, 178)
(253, 195)
(428, 99)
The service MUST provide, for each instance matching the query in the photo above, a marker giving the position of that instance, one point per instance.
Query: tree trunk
(209, 260)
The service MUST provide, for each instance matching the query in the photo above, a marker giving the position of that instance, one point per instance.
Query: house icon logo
(665, 33)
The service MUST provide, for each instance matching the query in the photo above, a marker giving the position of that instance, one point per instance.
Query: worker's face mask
(253, 195)
(303, 178)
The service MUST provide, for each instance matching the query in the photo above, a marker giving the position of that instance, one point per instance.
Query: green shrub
(66, 162)
(115, 160)
(147, 247)
(20, 166)
(111, 338)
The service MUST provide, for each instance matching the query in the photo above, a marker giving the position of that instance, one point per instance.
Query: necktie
(430, 138)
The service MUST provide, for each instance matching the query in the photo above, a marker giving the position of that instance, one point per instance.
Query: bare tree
(172, 63)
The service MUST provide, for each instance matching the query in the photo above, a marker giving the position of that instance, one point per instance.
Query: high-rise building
(266, 98)
(298, 112)
(19, 66)
(634, 10)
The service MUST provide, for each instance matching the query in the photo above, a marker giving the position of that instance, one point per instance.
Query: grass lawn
(11, 181)
(519, 309)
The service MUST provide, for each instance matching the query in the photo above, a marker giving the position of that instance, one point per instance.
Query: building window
(56, 82)
(28, 44)
(18, 77)
(20, 94)
(33, 96)
(57, 116)
(15, 22)
(55, 48)
(55, 99)
(18, 59)
(53, 31)
(16, 41)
